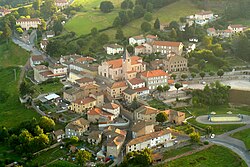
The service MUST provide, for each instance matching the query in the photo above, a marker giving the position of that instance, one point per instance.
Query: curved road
(233, 144)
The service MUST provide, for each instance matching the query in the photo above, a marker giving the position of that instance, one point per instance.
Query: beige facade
(26, 23)
(82, 105)
(166, 47)
(150, 140)
(175, 63)
(129, 95)
(175, 117)
(146, 113)
(115, 90)
(73, 94)
(95, 137)
(125, 68)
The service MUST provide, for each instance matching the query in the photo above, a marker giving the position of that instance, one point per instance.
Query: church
(125, 68)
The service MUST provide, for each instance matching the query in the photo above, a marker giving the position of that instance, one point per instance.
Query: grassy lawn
(166, 14)
(91, 17)
(158, 104)
(12, 112)
(5, 153)
(48, 156)
(55, 87)
(245, 22)
(217, 129)
(204, 110)
(178, 151)
(83, 22)
(243, 135)
(214, 156)
(12, 55)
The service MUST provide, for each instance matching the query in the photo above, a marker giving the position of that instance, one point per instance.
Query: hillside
(83, 22)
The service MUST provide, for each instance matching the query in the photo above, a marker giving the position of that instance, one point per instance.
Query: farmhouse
(112, 49)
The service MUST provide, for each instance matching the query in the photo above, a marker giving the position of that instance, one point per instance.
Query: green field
(166, 14)
(48, 156)
(60, 163)
(178, 151)
(83, 22)
(217, 129)
(12, 55)
(91, 17)
(12, 112)
(243, 135)
(55, 87)
(215, 156)
(5, 153)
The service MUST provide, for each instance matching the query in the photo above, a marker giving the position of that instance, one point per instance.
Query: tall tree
(119, 34)
(220, 72)
(82, 156)
(106, 6)
(94, 31)
(47, 124)
(145, 26)
(6, 33)
(202, 74)
(36, 4)
(157, 24)
(161, 117)
(177, 85)
(139, 11)
(127, 4)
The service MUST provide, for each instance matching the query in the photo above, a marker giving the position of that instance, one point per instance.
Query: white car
(212, 136)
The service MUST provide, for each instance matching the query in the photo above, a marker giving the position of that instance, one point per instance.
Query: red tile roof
(167, 43)
(236, 26)
(119, 84)
(118, 62)
(154, 73)
(136, 81)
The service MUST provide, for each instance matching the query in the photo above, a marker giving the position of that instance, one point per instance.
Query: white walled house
(112, 49)
(36, 60)
(150, 140)
(112, 108)
(61, 3)
(26, 23)
(236, 28)
(204, 15)
(139, 40)
(58, 69)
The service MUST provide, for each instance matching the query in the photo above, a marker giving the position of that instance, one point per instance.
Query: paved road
(233, 144)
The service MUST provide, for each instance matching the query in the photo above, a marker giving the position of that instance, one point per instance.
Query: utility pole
(15, 73)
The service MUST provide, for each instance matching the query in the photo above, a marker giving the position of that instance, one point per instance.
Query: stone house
(142, 127)
(175, 117)
(146, 113)
(76, 128)
(115, 90)
(115, 139)
(82, 105)
(129, 95)
(97, 115)
(175, 63)
(166, 47)
(95, 137)
(59, 135)
(36, 60)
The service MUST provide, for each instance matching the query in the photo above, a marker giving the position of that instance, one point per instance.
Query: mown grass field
(83, 22)
(243, 135)
(169, 13)
(91, 17)
(12, 112)
(48, 156)
(12, 55)
(215, 156)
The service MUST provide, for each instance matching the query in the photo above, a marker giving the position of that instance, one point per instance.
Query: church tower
(126, 63)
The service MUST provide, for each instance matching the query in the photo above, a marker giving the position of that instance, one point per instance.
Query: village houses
(4, 11)
(77, 128)
(61, 3)
(137, 40)
(27, 23)
(146, 113)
